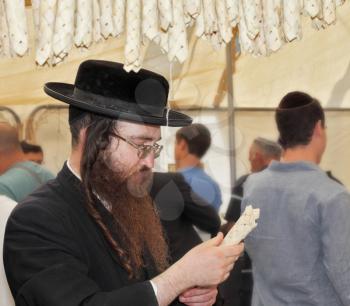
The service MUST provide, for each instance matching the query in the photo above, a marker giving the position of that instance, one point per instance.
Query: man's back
(22, 179)
(301, 247)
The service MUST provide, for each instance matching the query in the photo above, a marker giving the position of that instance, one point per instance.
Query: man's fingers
(230, 260)
(233, 250)
(201, 298)
(197, 291)
(216, 241)
(229, 268)
(209, 303)
(226, 276)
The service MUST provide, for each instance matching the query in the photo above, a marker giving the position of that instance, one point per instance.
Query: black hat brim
(65, 92)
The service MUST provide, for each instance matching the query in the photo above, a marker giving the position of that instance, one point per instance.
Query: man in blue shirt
(192, 142)
(18, 176)
(300, 249)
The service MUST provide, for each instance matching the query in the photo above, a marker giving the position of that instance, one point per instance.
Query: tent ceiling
(318, 64)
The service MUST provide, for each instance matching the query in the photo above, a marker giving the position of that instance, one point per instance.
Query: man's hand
(209, 263)
(199, 296)
(205, 266)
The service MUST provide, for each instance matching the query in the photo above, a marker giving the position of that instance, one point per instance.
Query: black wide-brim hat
(106, 89)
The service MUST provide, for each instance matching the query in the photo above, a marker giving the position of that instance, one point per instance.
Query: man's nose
(148, 161)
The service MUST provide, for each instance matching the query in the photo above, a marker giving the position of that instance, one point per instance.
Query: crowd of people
(108, 230)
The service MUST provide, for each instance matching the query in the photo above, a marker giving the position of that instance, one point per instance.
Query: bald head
(9, 139)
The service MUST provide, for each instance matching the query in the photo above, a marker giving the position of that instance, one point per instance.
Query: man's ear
(83, 132)
(182, 145)
(319, 129)
(82, 138)
(260, 158)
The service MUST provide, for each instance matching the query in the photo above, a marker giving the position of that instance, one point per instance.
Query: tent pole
(231, 112)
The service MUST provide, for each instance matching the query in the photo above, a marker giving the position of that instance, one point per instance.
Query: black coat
(179, 209)
(55, 254)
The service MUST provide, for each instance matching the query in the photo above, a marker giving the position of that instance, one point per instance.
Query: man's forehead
(252, 147)
(139, 130)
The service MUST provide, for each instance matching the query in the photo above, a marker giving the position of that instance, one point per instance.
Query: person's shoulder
(46, 200)
(15, 173)
(188, 173)
(206, 176)
(9, 180)
(208, 187)
(262, 180)
(10, 175)
(335, 198)
(44, 213)
(163, 179)
(167, 176)
(39, 169)
(260, 176)
(203, 182)
(328, 187)
(5, 188)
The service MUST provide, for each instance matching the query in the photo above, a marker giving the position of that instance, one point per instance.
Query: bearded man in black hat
(92, 235)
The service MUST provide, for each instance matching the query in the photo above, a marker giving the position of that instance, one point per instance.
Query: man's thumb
(216, 241)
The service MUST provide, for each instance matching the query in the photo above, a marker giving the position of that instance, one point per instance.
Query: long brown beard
(136, 223)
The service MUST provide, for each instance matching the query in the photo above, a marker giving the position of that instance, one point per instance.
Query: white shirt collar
(71, 170)
(105, 204)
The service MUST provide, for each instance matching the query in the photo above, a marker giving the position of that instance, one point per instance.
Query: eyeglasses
(143, 150)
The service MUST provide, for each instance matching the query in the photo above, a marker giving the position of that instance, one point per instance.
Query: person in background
(238, 288)
(191, 144)
(18, 176)
(262, 151)
(179, 210)
(32, 152)
(93, 236)
(300, 249)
